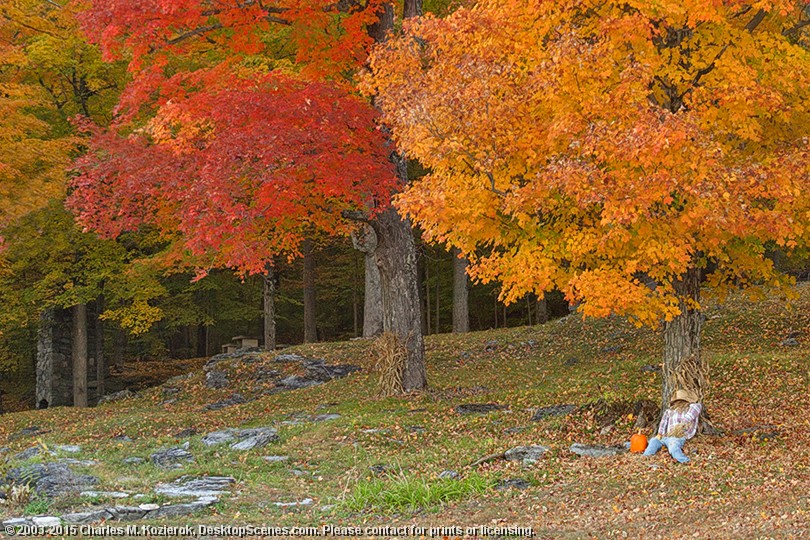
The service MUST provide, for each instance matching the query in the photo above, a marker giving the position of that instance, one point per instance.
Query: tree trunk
(269, 308)
(365, 241)
(421, 283)
(461, 293)
(541, 310)
(683, 366)
(202, 341)
(396, 258)
(310, 323)
(101, 362)
(355, 304)
(396, 252)
(79, 354)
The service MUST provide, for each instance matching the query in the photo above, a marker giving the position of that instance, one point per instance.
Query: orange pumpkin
(638, 443)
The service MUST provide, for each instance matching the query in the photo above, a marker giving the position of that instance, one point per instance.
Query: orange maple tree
(619, 151)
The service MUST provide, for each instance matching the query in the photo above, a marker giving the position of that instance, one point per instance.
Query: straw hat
(685, 395)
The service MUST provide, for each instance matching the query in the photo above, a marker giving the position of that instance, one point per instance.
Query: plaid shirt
(674, 421)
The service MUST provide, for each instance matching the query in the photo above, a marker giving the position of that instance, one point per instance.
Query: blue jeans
(673, 444)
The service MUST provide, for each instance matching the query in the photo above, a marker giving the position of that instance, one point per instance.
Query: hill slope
(380, 462)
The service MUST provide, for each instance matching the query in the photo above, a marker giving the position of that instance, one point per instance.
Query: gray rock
(216, 379)
(218, 437)
(596, 450)
(134, 460)
(69, 448)
(289, 358)
(276, 459)
(18, 522)
(512, 483)
(246, 439)
(296, 382)
(116, 396)
(196, 486)
(51, 479)
(28, 432)
(571, 361)
(235, 399)
(478, 408)
(650, 368)
(491, 346)
(552, 411)
(448, 475)
(181, 509)
(168, 457)
(609, 349)
(127, 513)
(324, 417)
(89, 516)
(320, 371)
(28, 453)
(417, 429)
(264, 375)
(305, 502)
(46, 521)
(78, 462)
(109, 494)
(122, 438)
(169, 391)
(187, 432)
(525, 453)
(790, 342)
(255, 438)
(148, 507)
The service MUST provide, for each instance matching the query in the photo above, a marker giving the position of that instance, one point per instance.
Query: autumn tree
(48, 73)
(622, 152)
(239, 136)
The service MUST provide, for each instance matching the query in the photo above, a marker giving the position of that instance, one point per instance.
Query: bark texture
(461, 294)
(365, 241)
(80, 355)
(683, 366)
(269, 301)
(396, 253)
(396, 259)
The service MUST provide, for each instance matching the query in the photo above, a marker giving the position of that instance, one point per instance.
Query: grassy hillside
(379, 462)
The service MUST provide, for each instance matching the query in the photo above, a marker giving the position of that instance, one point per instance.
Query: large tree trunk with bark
(365, 241)
(396, 252)
(79, 353)
(396, 258)
(269, 302)
(461, 293)
(683, 365)
(310, 321)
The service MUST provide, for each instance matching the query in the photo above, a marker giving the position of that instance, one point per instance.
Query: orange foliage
(602, 147)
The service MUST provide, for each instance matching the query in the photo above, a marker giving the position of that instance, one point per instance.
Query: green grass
(37, 506)
(411, 493)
